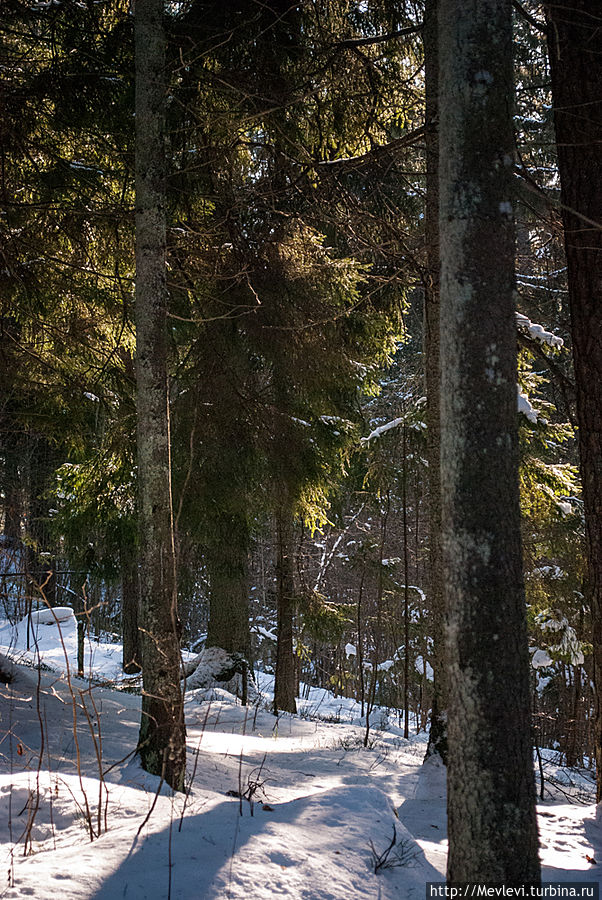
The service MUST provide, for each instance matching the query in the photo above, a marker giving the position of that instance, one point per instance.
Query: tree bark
(162, 743)
(437, 744)
(130, 602)
(491, 791)
(284, 687)
(13, 498)
(576, 65)
(41, 563)
(227, 564)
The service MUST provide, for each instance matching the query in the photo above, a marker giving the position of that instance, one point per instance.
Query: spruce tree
(491, 798)
(573, 45)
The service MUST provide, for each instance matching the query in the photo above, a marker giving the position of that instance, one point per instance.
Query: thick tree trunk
(491, 792)
(228, 565)
(284, 688)
(438, 732)
(162, 743)
(130, 602)
(576, 64)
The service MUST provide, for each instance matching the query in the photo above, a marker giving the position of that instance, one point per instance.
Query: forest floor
(294, 807)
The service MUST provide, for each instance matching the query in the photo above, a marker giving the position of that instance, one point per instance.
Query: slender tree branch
(380, 38)
(376, 153)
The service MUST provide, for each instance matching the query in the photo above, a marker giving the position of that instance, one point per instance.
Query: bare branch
(380, 38)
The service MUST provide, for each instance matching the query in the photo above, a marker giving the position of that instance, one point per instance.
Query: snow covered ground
(293, 807)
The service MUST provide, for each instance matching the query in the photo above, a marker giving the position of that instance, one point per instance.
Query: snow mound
(52, 615)
(50, 638)
(214, 667)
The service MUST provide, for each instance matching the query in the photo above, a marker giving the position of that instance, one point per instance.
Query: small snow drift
(51, 615)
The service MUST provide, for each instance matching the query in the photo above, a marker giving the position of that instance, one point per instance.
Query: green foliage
(551, 507)
(96, 510)
(323, 622)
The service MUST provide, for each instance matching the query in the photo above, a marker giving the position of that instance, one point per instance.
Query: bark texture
(227, 563)
(491, 795)
(574, 39)
(130, 602)
(285, 680)
(162, 734)
(438, 731)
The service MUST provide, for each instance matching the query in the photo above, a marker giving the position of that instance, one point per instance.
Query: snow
(394, 423)
(526, 407)
(540, 659)
(313, 800)
(538, 332)
(420, 667)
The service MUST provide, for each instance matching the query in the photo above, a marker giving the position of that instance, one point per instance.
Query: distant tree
(576, 66)
(162, 744)
(438, 730)
(491, 798)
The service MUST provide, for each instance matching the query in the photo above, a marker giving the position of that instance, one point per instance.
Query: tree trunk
(130, 602)
(41, 563)
(228, 564)
(162, 743)
(11, 432)
(13, 499)
(576, 64)
(360, 641)
(284, 688)
(438, 733)
(491, 791)
(406, 588)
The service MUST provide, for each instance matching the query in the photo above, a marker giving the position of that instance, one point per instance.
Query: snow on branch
(394, 423)
(538, 332)
(526, 407)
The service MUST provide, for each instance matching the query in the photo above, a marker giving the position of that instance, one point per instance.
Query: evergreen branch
(565, 384)
(376, 153)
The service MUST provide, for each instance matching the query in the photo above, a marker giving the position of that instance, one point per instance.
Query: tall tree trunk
(130, 602)
(438, 731)
(576, 64)
(228, 567)
(41, 562)
(284, 688)
(406, 587)
(11, 432)
(491, 791)
(13, 497)
(162, 743)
